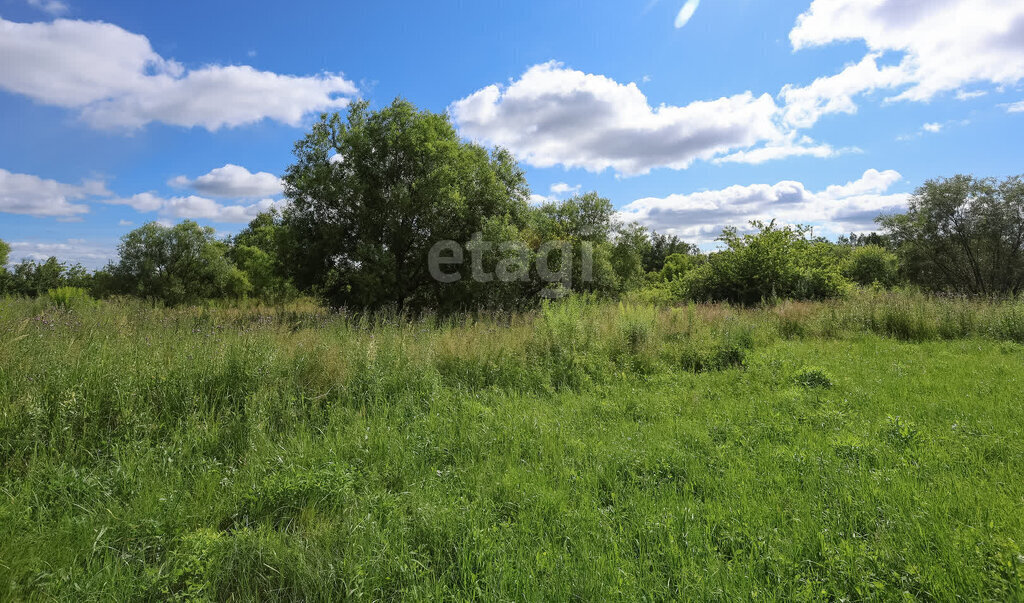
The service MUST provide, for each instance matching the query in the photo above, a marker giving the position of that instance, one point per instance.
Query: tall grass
(587, 450)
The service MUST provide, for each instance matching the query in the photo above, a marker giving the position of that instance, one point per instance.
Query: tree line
(371, 194)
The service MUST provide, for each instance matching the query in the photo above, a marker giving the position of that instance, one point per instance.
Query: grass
(858, 450)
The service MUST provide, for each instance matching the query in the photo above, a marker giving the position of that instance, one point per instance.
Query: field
(864, 449)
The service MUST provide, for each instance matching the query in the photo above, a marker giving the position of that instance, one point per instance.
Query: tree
(33, 278)
(371, 195)
(257, 252)
(963, 234)
(663, 246)
(177, 264)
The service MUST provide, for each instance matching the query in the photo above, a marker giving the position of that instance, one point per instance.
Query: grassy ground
(867, 449)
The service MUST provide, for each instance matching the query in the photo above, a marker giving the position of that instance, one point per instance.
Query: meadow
(869, 448)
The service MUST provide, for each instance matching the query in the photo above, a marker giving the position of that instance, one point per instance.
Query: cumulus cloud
(232, 181)
(53, 7)
(31, 195)
(699, 217)
(1015, 107)
(115, 80)
(553, 115)
(201, 208)
(91, 254)
(686, 13)
(944, 44)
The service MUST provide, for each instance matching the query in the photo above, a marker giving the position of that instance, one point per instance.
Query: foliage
(69, 297)
(570, 453)
(258, 251)
(176, 264)
(871, 265)
(964, 235)
(775, 262)
(371, 195)
(34, 279)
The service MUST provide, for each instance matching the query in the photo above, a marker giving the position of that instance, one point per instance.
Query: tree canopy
(372, 194)
(963, 234)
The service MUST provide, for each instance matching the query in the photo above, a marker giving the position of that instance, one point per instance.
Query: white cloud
(932, 127)
(53, 7)
(558, 116)
(125, 223)
(790, 146)
(686, 13)
(945, 44)
(699, 217)
(142, 202)
(201, 208)
(1015, 107)
(804, 106)
(232, 181)
(34, 196)
(115, 80)
(964, 95)
(90, 254)
(562, 189)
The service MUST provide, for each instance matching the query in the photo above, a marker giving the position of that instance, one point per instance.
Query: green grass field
(869, 449)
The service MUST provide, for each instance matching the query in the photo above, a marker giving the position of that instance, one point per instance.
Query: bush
(871, 264)
(69, 298)
(774, 263)
(814, 378)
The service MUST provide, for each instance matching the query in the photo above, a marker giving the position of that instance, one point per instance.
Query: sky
(689, 115)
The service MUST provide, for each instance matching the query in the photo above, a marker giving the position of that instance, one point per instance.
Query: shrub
(69, 297)
(814, 378)
(770, 264)
(870, 265)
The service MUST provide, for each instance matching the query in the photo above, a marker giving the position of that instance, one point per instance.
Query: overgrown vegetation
(373, 194)
(860, 449)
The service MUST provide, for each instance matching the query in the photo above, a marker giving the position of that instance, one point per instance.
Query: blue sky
(825, 112)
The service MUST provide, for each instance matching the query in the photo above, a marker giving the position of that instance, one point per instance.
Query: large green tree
(963, 234)
(372, 194)
(176, 264)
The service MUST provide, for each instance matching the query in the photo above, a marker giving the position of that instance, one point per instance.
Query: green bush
(69, 297)
(870, 265)
(814, 378)
(774, 263)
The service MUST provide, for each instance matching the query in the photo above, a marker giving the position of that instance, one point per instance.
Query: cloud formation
(945, 46)
(232, 181)
(31, 195)
(115, 80)
(553, 115)
(699, 217)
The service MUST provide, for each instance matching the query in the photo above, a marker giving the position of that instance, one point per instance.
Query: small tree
(177, 264)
